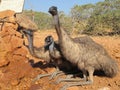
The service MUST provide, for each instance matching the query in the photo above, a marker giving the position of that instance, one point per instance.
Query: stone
(3, 61)
(20, 51)
(16, 42)
(7, 13)
(15, 82)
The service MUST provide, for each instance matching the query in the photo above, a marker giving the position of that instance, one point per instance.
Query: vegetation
(43, 20)
(102, 18)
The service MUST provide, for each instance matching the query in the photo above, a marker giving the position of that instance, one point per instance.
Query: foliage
(105, 18)
(43, 20)
(102, 18)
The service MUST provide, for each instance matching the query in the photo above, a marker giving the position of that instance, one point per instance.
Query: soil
(19, 74)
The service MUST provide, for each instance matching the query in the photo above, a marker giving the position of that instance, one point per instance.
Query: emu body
(87, 57)
(57, 58)
(56, 53)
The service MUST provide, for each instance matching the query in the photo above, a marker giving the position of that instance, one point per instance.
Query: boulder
(13, 54)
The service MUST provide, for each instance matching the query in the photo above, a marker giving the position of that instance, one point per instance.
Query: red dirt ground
(25, 73)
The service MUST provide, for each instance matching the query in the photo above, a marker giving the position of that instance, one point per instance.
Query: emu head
(53, 10)
(49, 43)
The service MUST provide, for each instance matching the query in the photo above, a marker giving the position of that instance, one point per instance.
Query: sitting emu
(43, 53)
(87, 58)
(57, 58)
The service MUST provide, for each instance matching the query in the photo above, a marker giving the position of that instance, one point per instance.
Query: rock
(21, 51)
(16, 42)
(9, 29)
(15, 82)
(3, 61)
(3, 52)
(6, 39)
(7, 13)
(12, 51)
(18, 34)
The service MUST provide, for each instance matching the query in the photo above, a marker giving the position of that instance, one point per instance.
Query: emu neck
(30, 43)
(62, 35)
(67, 46)
(51, 47)
(36, 52)
(57, 25)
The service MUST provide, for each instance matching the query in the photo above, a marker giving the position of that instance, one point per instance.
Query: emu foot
(75, 84)
(52, 75)
(41, 76)
(68, 80)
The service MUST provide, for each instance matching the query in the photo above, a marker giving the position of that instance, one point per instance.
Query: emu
(43, 53)
(86, 57)
(46, 53)
(56, 56)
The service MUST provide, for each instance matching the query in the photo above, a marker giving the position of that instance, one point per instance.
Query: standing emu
(87, 58)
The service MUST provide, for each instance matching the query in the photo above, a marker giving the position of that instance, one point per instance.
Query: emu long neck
(38, 53)
(57, 25)
(51, 47)
(62, 35)
(67, 46)
(30, 43)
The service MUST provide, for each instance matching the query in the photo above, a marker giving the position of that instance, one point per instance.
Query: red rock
(15, 82)
(18, 58)
(4, 32)
(9, 26)
(2, 45)
(3, 61)
(20, 51)
(6, 39)
(16, 42)
(18, 34)
(6, 13)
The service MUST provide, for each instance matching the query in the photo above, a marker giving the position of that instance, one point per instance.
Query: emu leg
(90, 81)
(70, 79)
(40, 76)
(58, 72)
(52, 75)
(75, 84)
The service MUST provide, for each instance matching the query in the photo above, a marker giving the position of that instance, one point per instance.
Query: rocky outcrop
(13, 53)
